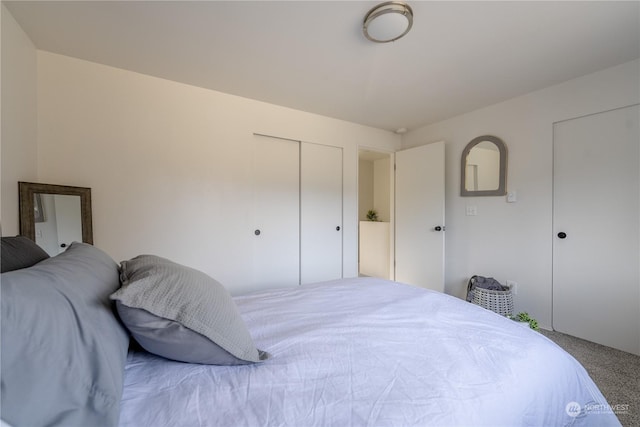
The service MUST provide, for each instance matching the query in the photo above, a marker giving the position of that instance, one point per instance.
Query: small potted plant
(372, 215)
(524, 318)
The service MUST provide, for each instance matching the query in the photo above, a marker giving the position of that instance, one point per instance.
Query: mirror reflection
(484, 167)
(58, 221)
(54, 216)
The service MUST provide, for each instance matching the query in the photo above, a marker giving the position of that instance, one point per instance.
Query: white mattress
(369, 352)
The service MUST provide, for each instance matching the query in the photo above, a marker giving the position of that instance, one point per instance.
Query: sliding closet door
(596, 221)
(320, 213)
(276, 213)
(419, 216)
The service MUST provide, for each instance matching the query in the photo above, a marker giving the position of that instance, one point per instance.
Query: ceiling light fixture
(388, 21)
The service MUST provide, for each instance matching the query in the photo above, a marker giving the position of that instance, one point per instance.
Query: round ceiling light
(388, 22)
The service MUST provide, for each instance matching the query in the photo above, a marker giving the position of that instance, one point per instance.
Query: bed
(352, 352)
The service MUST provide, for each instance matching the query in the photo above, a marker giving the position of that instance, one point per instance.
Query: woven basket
(499, 301)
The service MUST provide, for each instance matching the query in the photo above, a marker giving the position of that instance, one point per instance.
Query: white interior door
(596, 261)
(68, 220)
(419, 216)
(320, 213)
(276, 215)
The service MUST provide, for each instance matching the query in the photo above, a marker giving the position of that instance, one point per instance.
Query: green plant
(524, 317)
(372, 215)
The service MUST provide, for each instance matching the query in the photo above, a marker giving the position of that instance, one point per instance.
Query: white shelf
(374, 249)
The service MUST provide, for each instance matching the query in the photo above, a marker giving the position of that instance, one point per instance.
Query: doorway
(406, 191)
(375, 214)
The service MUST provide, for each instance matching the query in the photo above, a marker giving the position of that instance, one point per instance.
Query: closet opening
(375, 214)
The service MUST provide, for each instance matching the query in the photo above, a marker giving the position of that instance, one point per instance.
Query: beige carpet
(616, 373)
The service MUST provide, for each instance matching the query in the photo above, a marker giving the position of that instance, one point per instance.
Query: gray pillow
(182, 314)
(63, 348)
(20, 252)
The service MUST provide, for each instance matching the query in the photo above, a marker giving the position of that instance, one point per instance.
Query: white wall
(365, 188)
(167, 162)
(374, 188)
(18, 140)
(512, 241)
(381, 190)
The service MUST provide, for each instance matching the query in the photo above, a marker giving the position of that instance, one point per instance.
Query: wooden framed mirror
(55, 215)
(484, 167)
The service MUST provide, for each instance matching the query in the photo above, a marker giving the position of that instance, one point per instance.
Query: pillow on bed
(182, 314)
(63, 348)
(20, 252)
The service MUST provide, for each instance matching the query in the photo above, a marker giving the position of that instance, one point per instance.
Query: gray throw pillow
(20, 252)
(182, 314)
(63, 348)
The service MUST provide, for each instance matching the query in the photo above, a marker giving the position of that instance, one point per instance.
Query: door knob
(63, 245)
(562, 235)
(257, 232)
(338, 228)
(439, 228)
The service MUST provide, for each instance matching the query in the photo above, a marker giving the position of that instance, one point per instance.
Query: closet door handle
(439, 228)
(338, 228)
(257, 232)
(562, 235)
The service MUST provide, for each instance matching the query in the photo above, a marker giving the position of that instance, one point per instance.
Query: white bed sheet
(369, 352)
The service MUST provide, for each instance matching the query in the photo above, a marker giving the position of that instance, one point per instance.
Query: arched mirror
(54, 216)
(484, 167)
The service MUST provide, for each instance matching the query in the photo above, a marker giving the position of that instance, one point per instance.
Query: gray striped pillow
(193, 317)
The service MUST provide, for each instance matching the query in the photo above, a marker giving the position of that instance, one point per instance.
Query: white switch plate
(472, 210)
(512, 197)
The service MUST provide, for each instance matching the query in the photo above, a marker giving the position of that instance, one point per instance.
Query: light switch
(512, 197)
(472, 210)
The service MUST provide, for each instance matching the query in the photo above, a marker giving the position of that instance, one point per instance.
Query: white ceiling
(312, 55)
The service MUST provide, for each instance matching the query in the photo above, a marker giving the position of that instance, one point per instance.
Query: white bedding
(369, 352)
